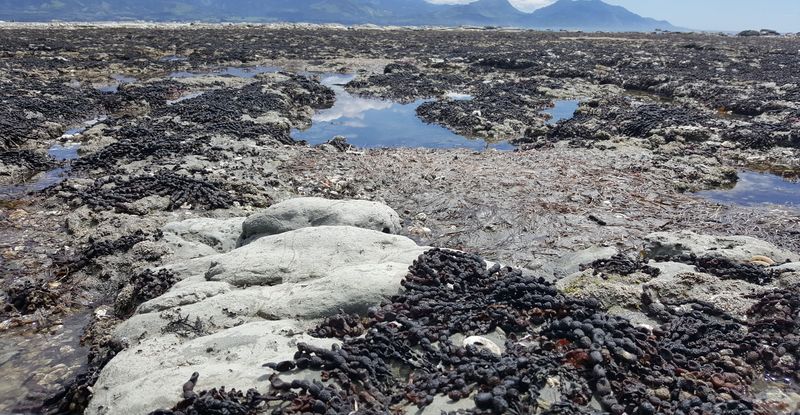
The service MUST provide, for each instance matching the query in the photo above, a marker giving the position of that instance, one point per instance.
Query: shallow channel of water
(63, 152)
(41, 181)
(754, 188)
(234, 71)
(119, 80)
(379, 123)
(36, 365)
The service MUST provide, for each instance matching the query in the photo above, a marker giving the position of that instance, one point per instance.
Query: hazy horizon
(710, 15)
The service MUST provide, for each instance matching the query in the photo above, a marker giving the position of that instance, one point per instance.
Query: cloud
(350, 107)
(525, 5)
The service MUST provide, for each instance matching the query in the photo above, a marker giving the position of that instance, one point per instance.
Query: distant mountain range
(593, 15)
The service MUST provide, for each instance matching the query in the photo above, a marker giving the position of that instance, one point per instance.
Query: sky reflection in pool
(372, 122)
(563, 110)
(755, 188)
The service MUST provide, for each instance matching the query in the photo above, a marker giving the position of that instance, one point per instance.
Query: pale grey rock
(352, 289)
(149, 204)
(309, 253)
(625, 291)
(219, 234)
(149, 376)
(736, 248)
(791, 266)
(179, 249)
(188, 294)
(732, 296)
(313, 211)
(149, 250)
(610, 290)
(788, 275)
(670, 269)
(678, 282)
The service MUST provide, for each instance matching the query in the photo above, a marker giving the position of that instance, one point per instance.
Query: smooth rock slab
(221, 235)
(309, 253)
(314, 211)
(149, 376)
(353, 289)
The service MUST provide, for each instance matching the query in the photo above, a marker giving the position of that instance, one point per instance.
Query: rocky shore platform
(245, 219)
(316, 305)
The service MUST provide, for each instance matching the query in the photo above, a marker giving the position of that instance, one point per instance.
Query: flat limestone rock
(314, 211)
(679, 282)
(149, 376)
(353, 289)
(736, 248)
(309, 253)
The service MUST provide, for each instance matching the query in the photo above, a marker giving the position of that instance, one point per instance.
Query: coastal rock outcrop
(232, 309)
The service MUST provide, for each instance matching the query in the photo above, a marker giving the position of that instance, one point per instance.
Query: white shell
(483, 343)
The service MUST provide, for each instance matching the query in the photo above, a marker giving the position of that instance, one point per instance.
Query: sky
(727, 15)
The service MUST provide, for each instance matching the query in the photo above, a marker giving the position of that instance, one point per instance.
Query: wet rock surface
(182, 132)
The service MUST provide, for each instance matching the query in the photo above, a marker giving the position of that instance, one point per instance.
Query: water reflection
(563, 110)
(371, 123)
(458, 96)
(755, 188)
(113, 87)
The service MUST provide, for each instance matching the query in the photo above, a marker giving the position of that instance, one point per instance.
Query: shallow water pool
(754, 188)
(563, 110)
(375, 123)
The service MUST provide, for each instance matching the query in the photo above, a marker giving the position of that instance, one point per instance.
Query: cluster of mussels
(600, 120)
(405, 82)
(725, 268)
(28, 102)
(561, 354)
(144, 286)
(113, 192)
(28, 159)
(141, 142)
(511, 103)
(95, 249)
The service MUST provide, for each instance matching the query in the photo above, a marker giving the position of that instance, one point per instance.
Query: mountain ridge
(563, 14)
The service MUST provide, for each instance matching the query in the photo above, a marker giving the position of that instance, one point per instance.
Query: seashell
(483, 343)
(762, 260)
